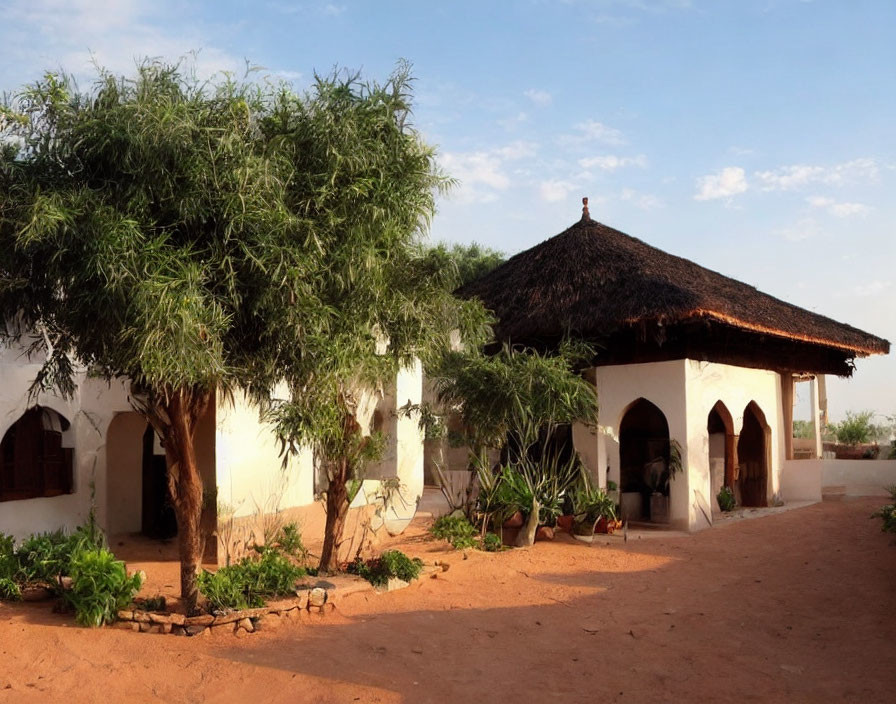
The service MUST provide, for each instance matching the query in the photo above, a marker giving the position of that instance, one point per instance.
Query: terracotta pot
(602, 526)
(565, 522)
(515, 521)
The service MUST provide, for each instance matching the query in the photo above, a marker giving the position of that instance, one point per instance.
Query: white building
(685, 358)
(60, 457)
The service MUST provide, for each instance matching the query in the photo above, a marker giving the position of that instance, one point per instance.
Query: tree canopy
(208, 237)
(471, 261)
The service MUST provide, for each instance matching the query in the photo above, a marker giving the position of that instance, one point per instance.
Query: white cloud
(483, 173)
(642, 201)
(840, 210)
(554, 190)
(804, 229)
(592, 131)
(794, 176)
(540, 97)
(611, 162)
(74, 34)
(333, 10)
(726, 183)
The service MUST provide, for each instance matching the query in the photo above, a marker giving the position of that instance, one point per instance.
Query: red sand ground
(797, 606)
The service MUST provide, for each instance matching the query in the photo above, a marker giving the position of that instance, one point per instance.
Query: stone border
(316, 597)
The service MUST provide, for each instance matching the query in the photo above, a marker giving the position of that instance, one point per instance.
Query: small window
(33, 462)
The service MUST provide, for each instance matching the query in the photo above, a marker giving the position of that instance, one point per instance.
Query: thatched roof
(594, 281)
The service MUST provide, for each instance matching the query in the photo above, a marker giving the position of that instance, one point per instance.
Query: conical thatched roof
(594, 281)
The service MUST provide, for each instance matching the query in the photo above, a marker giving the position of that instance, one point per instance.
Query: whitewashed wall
(89, 411)
(685, 391)
(736, 387)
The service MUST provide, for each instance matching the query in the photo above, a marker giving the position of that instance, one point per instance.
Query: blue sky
(754, 137)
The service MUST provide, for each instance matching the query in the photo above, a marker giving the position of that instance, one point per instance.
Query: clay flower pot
(515, 521)
(565, 522)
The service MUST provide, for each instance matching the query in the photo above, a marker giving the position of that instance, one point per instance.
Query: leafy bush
(591, 503)
(725, 498)
(9, 590)
(289, 541)
(100, 586)
(392, 563)
(246, 584)
(457, 530)
(491, 543)
(888, 513)
(856, 429)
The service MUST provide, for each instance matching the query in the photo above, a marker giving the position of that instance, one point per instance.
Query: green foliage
(193, 236)
(289, 542)
(457, 530)
(515, 391)
(591, 503)
(468, 262)
(100, 586)
(857, 428)
(154, 603)
(725, 497)
(9, 590)
(246, 583)
(491, 543)
(392, 563)
(887, 513)
(803, 429)
(45, 557)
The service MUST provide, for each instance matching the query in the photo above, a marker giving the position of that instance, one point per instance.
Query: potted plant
(658, 475)
(594, 510)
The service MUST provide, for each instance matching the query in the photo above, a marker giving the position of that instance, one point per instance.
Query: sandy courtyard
(791, 607)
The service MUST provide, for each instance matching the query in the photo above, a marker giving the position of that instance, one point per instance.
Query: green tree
(202, 238)
(471, 261)
(515, 400)
(857, 428)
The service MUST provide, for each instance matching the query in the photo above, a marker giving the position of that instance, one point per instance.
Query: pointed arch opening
(751, 486)
(722, 450)
(643, 455)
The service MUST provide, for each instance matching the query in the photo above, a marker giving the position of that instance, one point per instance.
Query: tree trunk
(337, 510)
(526, 536)
(183, 408)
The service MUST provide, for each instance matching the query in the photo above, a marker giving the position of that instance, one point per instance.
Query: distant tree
(201, 238)
(857, 428)
(471, 261)
(803, 429)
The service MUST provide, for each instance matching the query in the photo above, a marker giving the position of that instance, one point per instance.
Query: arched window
(33, 462)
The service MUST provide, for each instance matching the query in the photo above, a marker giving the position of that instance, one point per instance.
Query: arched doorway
(643, 457)
(751, 487)
(136, 480)
(722, 459)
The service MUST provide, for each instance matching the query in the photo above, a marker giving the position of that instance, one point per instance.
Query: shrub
(457, 530)
(888, 513)
(100, 586)
(856, 429)
(9, 590)
(289, 541)
(392, 563)
(246, 584)
(725, 498)
(491, 543)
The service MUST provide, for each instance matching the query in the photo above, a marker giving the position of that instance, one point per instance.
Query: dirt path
(793, 607)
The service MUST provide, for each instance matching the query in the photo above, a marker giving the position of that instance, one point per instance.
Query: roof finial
(585, 214)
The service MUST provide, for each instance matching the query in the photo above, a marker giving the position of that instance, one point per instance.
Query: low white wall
(858, 477)
(801, 480)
